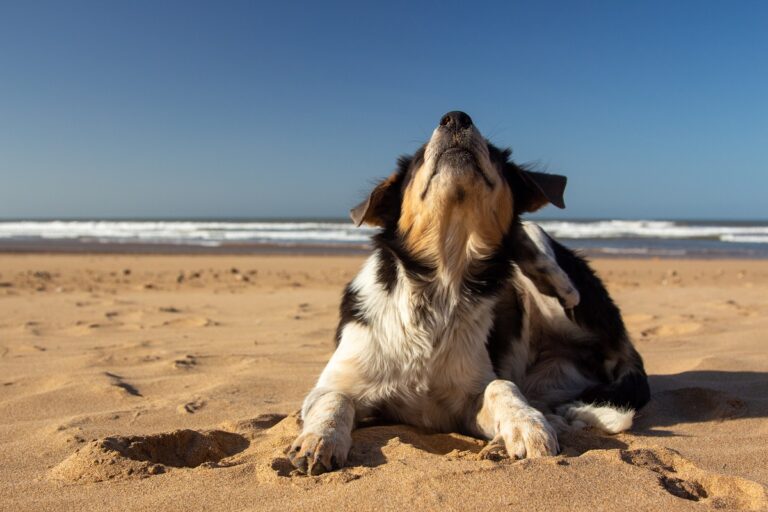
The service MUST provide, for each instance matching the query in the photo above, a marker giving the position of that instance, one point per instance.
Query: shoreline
(136, 248)
(596, 238)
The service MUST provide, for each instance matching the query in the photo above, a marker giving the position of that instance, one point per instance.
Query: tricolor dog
(467, 319)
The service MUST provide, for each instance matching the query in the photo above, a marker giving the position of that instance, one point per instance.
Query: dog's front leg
(326, 436)
(505, 418)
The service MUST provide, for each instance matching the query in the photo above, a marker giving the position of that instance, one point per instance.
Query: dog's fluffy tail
(608, 418)
(610, 407)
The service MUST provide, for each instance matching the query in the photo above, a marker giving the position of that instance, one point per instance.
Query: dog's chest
(441, 361)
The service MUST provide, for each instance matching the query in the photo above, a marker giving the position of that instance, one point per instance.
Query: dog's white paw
(315, 453)
(527, 435)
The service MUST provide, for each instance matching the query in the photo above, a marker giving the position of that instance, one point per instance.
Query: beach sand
(172, 383)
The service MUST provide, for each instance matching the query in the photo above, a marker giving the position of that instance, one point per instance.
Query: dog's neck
(452, 246)
(454, 228)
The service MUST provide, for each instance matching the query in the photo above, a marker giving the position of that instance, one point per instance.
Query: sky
(280, 109)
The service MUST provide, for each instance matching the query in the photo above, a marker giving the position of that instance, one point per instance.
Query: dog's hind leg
(608, 418)
(611, 406)
(561, 386)
(536, 259)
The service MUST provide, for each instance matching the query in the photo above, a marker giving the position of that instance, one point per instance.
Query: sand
(171, 383)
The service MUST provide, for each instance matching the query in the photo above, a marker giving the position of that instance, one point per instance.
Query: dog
(466, 318)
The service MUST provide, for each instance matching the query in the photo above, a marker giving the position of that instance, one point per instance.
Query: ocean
(602, 237)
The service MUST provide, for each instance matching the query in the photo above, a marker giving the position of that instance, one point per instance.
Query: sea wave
(208, 233)
(745, 239)
(655, 229)
(215, 233)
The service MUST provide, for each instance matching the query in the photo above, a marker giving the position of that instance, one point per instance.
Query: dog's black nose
(456, 120)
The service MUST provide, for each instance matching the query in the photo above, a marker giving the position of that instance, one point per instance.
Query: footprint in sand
(191, 407)
(188, 362)
(676, 329)
(130, 354)
(85, 327)
(192, 321)
(32, 327)
(253, 427)
(125, 458)
(639, 318)
(742, 310)
(67, 434)
(118, 382)
(682, 478)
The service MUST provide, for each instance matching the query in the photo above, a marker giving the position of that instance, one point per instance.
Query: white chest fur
(422, 356)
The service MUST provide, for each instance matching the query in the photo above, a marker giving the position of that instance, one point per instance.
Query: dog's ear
(381, 205)
(540, 189)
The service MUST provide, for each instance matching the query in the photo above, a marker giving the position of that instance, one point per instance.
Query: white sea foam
(745, 239)
(213, 233)
(187, 232)
(640, 251)
(655, 229)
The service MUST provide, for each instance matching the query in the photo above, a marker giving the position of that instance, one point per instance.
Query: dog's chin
(457, 167)
(457, 160)
(457, 187)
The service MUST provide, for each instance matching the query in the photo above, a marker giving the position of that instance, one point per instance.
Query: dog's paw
(526, 436)
(569, 295)
(314, 454)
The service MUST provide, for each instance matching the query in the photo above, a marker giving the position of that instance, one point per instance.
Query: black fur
(631, 390)
(386, 274)
(349, 311)
(392, 249)
(487, 276)
(596, 311)
(507, 326)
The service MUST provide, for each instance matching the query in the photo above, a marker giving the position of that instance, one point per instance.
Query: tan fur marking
(429, 224)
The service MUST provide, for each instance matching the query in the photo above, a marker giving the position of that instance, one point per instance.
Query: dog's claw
(494, 450)
(314, 454)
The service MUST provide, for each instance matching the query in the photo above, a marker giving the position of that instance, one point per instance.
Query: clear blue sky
(164, 108)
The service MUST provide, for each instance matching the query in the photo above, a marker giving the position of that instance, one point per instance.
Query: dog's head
(458, 192)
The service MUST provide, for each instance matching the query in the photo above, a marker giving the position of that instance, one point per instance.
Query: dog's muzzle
(456, 145)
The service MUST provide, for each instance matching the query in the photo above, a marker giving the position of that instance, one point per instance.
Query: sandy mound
(141, 456)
